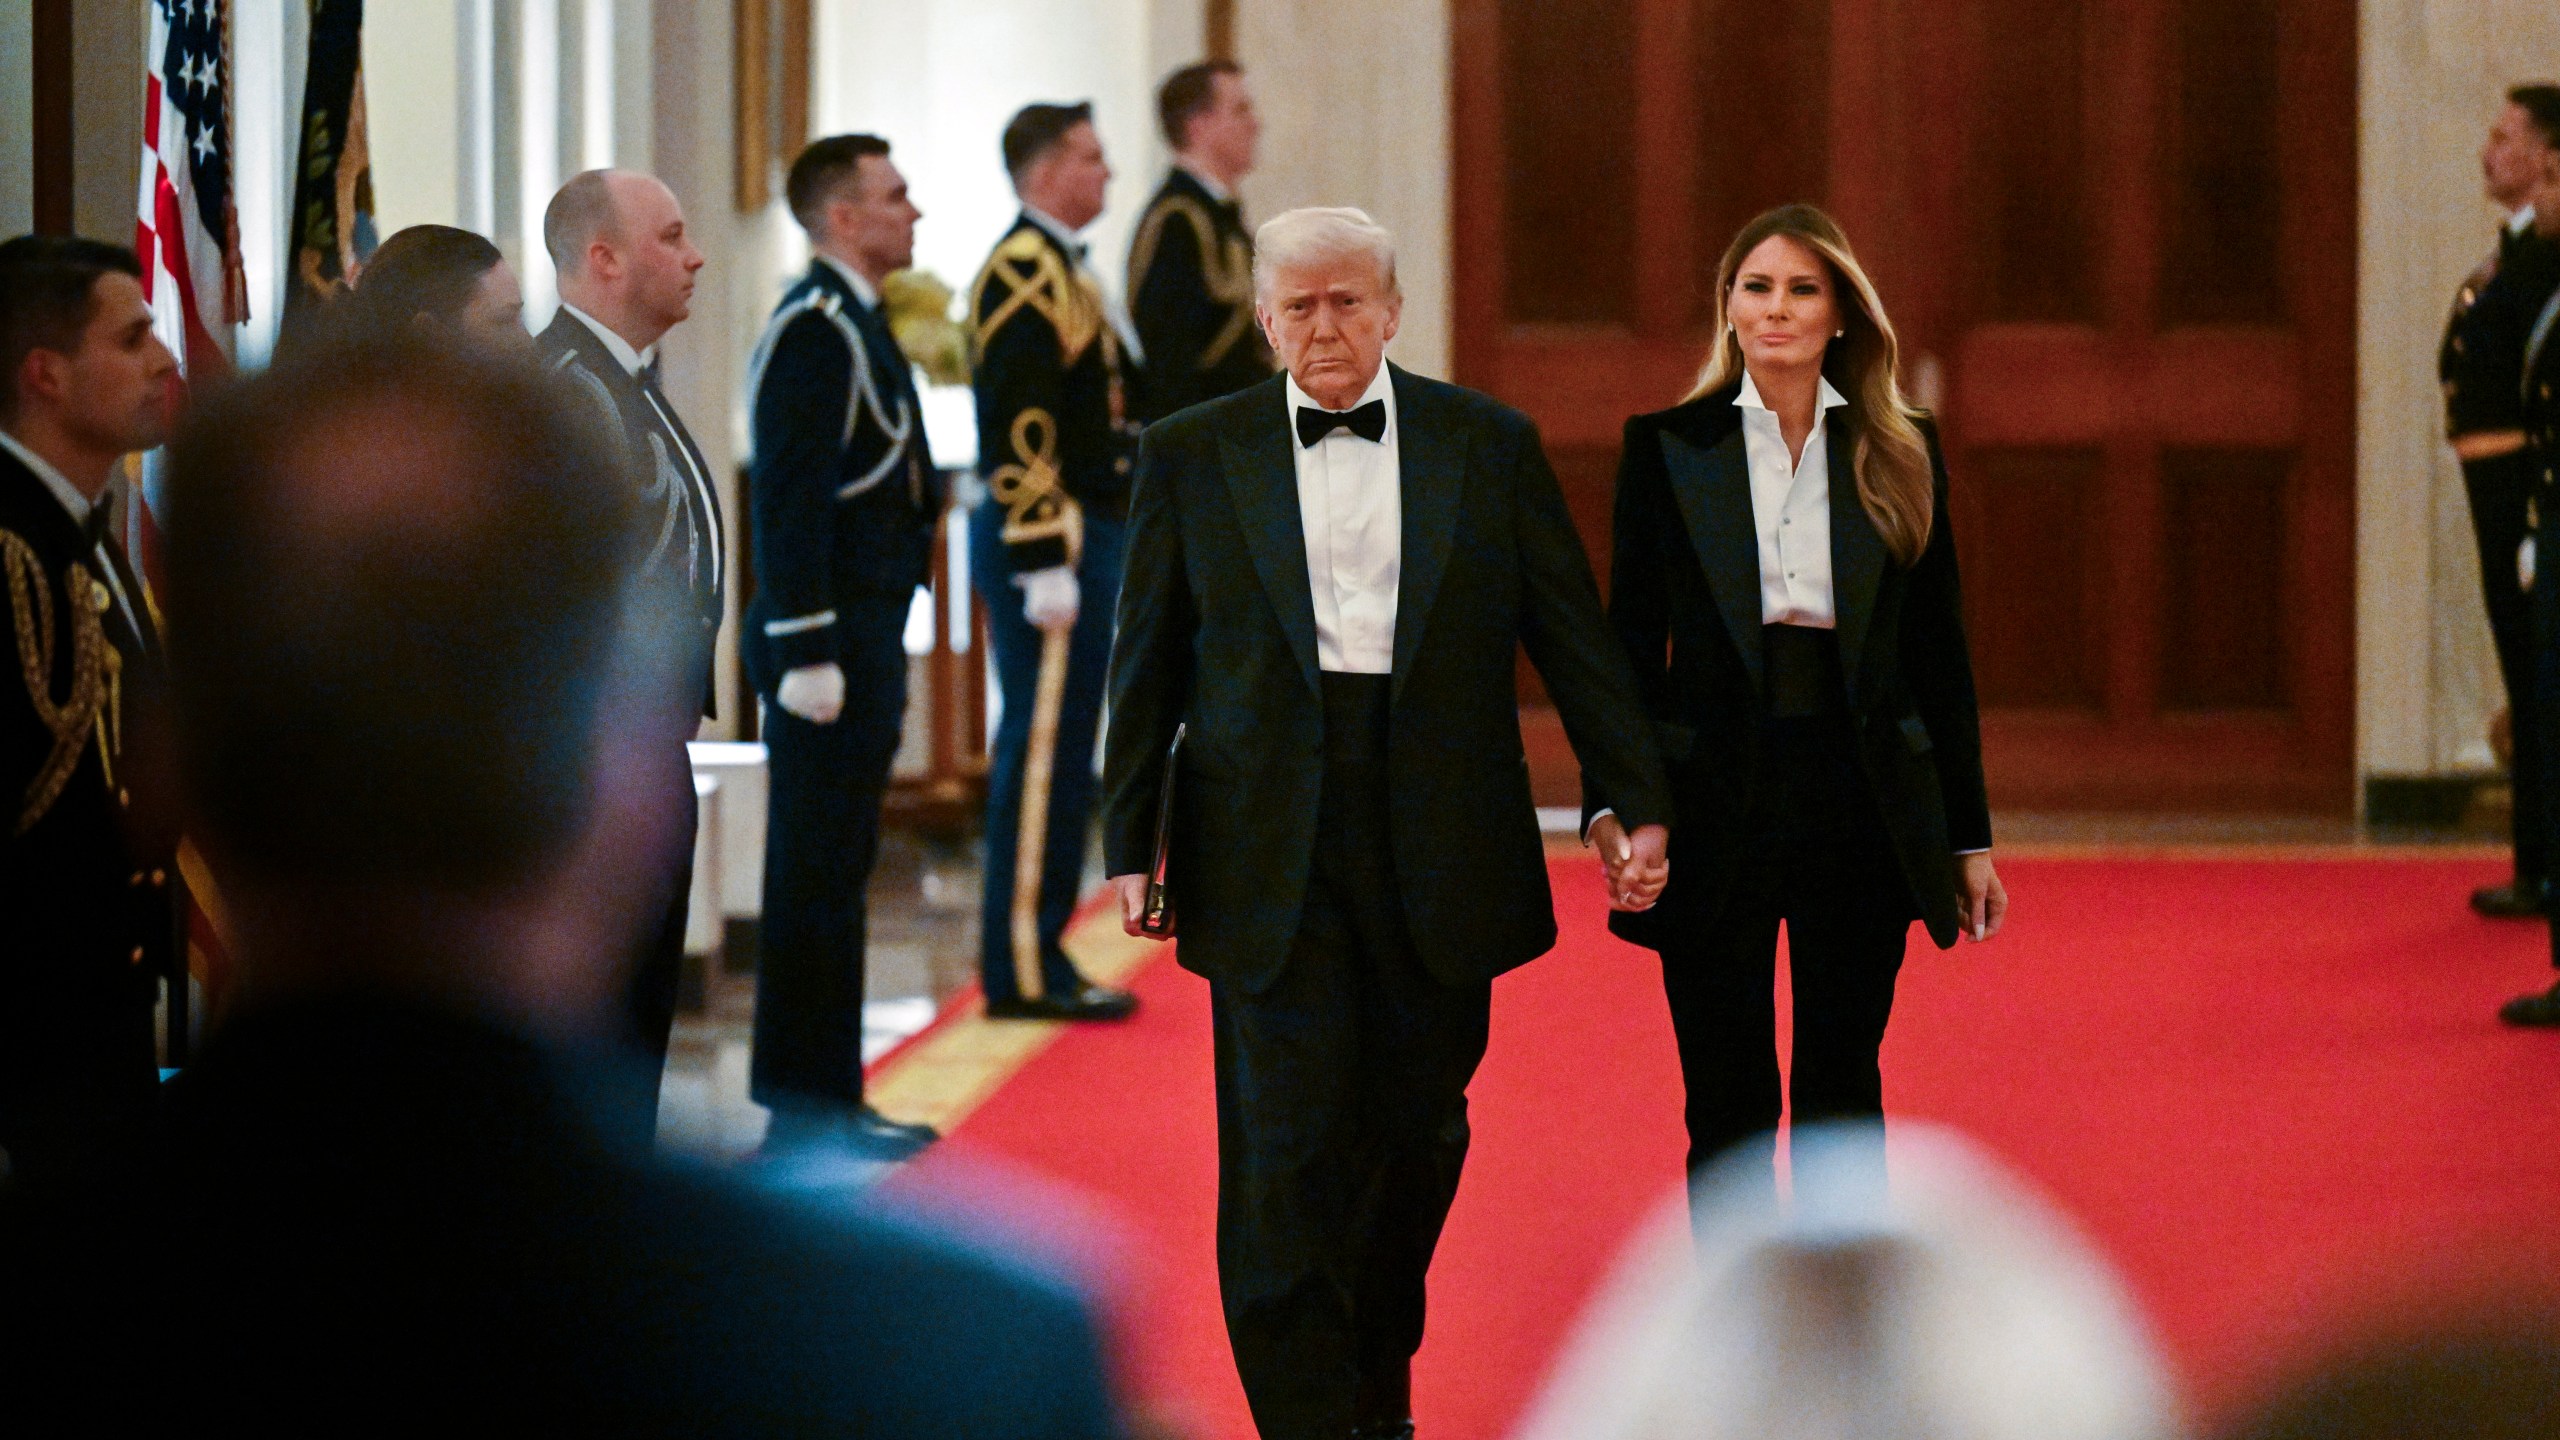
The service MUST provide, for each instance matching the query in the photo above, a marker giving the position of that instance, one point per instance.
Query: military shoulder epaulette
(1027, 274)
(864, 392)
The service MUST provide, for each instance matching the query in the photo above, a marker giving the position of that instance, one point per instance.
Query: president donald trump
(1329, 576)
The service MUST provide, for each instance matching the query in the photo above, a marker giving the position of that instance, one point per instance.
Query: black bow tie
(1369, 422)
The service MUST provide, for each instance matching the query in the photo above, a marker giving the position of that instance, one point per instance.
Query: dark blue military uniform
(1057, 443)
(1191, 295)
(845, 498)
(2540, 397)
(88, 869)
(2482, 356)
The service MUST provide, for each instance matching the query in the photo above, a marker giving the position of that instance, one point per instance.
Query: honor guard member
(88, 873)
(1191, 266)
(2479, 364)
(2540, 414)
(626, 267)
(845, 498)
(1057, 442)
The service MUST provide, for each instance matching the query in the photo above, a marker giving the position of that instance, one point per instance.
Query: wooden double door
(2118, 240)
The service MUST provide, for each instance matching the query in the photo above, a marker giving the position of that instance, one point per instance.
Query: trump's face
(1330, 319)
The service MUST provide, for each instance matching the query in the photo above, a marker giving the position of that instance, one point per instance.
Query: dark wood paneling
(1588, 475)
(1568, 143)
(1763, 118)
(49, 40)
(2222, 191)
(2033, 257)
(2024, 524)
(2223, 572)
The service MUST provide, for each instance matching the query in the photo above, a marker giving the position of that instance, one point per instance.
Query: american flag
(189, 234)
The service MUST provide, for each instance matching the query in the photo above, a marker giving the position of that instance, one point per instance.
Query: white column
(17, 117)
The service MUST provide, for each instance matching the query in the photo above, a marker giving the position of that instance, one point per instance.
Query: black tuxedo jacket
(421, 1220)
(1058, 403)
(676, 485)
(1191, 296)
(844, 491)
(1217, 629)
(87, 836)
(1685, 600)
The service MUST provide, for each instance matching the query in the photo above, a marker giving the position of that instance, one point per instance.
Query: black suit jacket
(676, 485)
(87, 833)
(411, 1217)
(844, 491)
(1684, 598)
(1057, 400)
(1191, 296)
(1217, 629)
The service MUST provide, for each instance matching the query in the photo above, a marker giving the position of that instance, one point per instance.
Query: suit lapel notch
(1262, 477)
(1713, 487)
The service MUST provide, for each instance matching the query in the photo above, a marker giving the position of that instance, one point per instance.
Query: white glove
(2524, 564)
(1049, 597)
(815, 693)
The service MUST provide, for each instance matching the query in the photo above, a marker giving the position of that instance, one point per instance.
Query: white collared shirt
(1351, 504)
(79, 506)
(863, 290)
(632, 361)
(2520, 221)
(1791, 510)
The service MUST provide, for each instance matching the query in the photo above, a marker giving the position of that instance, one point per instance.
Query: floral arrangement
(918, 306)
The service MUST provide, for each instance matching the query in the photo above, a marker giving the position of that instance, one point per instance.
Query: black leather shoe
(1085, 1002)
(876, 1134)
(2515, 900)
(1390, 1430)
(2540, 1009)
(861, 1133)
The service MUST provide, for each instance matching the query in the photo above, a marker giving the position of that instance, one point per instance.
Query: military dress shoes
(1087, 1001)
(2540, 1009)
(1390, 1430)
(2515, 900)
(861, 1132)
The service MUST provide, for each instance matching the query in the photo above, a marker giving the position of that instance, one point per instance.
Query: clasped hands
(1637, 865)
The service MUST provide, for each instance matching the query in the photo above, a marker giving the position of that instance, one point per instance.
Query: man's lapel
(1713, 487)
(1431, 457)
(1262, 475)
(1857, 551)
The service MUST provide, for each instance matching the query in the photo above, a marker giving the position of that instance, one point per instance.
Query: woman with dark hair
(1785, 584)
(448, 280)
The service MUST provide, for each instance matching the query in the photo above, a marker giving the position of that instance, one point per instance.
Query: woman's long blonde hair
(1892, 457)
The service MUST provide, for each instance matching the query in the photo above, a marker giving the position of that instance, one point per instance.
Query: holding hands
(1637, 865)
(1984, 899)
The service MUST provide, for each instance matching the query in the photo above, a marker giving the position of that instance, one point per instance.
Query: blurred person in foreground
(2491, 1376)
(1191, 262)
(1331, 577)
(420, 767)
(87, 853)
(2479, 365)
(1956, 1307)
(627, 264)
(450, 282)
(845, 500)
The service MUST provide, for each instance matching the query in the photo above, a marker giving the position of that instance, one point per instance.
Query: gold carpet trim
(943, 1078)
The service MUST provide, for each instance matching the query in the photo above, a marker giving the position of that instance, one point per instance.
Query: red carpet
(2271, 1089)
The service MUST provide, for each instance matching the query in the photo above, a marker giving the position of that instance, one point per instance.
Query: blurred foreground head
(2489, 1375)
(1957, 1307)
(404, 633)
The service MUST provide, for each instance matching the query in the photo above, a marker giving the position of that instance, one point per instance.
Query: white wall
(17, 117)
(414, 112)
(2432, 76)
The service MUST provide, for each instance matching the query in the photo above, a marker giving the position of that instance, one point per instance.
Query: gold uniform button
(137, 878)
(136, 957)
(124, 797)
(159, 878)
(1121, 465)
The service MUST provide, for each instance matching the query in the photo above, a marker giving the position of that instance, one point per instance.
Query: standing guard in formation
(1057, 441)
(2481, 358)
(2540, 417)
(845, 498)
(626, 278)
(88, 869)
(1191, 266)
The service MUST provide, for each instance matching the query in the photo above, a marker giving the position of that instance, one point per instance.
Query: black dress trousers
(2499, 489)
(822, 835)
(1342, 1118)
(1820, 861)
